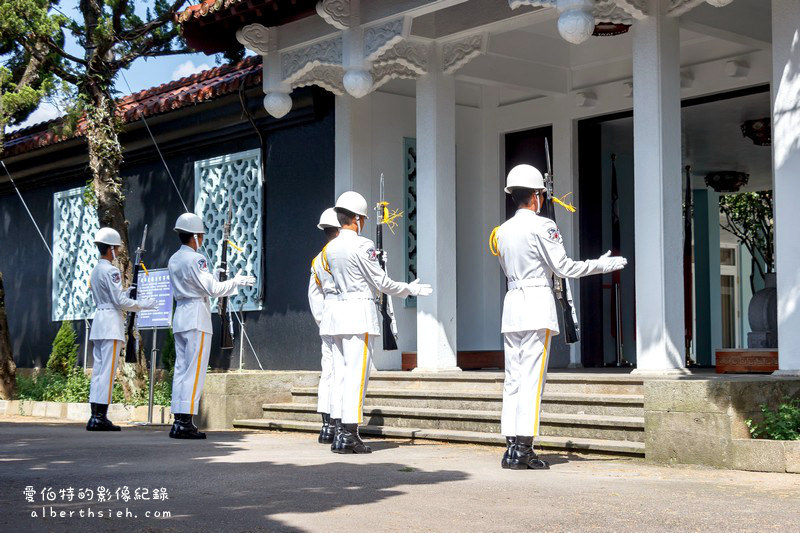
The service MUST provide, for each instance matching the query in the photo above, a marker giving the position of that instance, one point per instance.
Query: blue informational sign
(155, 284)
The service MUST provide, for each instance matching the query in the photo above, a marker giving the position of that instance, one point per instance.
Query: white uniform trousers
(325, 390)
(105, 353)
(526, 373)
(352, 358)
(191, 362)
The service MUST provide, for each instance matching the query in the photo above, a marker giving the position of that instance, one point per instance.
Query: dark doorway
(528, 147)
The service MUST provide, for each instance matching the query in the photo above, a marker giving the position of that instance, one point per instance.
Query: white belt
(103, 307)
(355, 296)
(332, 296)
(530, 282)
(183, 301)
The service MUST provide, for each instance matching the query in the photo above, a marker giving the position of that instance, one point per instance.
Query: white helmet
(108, 236)
(189, 223)
(353, 202)
(524, 177)
(328, 219)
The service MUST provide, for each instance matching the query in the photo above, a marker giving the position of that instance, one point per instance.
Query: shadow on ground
(210, 484)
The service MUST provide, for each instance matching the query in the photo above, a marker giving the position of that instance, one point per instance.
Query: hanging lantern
(727, 180)
(759, 131)
(609, 29)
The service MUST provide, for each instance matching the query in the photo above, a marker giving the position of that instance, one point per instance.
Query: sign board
(156, 285)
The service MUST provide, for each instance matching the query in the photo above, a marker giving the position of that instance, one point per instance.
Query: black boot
(351, 441)
(183, 428)
(99, 421)
(523, 457)
(510, 442)
(337, 434)
(325, 434)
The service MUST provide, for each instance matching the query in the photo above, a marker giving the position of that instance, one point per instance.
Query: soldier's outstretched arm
(214, 288)
(120, 298)
(556, 257)
(367, 259)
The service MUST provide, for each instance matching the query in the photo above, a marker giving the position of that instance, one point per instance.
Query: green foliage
(748, 215)
(168, 352)
(65, 350)
(162, 392)
(50, 386)
(781, 424)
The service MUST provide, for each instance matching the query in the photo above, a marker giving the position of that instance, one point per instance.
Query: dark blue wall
(299, 184)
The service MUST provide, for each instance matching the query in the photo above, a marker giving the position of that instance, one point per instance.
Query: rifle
(132, 347)
(226, 338)
(561, 288)
(384, 301)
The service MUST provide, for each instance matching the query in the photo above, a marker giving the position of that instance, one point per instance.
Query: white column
(786, 162)
(564, 167)
(353, 146)
(657, 170)
(436, 217)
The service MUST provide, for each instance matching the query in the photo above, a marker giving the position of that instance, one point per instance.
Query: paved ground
(238, 481)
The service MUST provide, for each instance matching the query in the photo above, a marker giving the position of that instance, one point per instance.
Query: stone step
(555, 443)
(552, 424)
(574, 382)
(552, 402)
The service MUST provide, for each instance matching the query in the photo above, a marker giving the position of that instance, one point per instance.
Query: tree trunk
(8, 370)
(105, 159)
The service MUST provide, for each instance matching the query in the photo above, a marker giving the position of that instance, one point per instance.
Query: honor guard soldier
(531, 252)
(352, 317)
(192, 287)
(321, 290)
(108, 327)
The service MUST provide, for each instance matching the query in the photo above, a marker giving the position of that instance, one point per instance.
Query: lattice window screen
(74, 255)
(214, 181)
(410, 173)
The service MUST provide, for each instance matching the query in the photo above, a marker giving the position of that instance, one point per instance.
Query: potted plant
(748, 216)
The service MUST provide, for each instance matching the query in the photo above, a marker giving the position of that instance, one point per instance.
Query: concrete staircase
(602, 412)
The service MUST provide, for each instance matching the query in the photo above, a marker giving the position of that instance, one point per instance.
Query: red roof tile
(191, 90)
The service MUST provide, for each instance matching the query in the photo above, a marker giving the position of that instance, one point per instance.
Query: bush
(168, 352)
(780, 424)
(65, 351)
(49, 386)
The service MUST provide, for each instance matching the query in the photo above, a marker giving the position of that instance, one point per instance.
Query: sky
(142, 74)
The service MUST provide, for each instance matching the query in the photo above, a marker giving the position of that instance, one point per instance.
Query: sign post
(154, 284)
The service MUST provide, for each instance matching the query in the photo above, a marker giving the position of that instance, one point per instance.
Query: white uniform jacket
(353, 263)
(192, 286)
(531, 251)
(111, 302)
(321, 287)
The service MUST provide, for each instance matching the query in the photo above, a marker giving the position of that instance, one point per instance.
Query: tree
(24, 81)
(748, 216)
(64, 356)
(112, 36)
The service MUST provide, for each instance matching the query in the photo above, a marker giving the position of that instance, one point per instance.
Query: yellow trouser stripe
(542, 370)
(197, 372)
(363, 379)
(111, 377)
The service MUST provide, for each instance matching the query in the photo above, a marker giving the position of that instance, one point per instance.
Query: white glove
(217, 272)
(610, 264)
(240, 280)
(419, 289)
(149, 303)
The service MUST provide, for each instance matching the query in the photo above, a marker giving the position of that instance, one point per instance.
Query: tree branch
(154, 24)
(63, 53)
(117, 13)
(62, 73)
